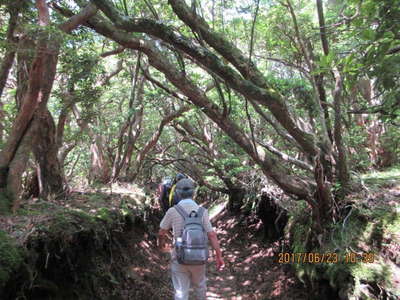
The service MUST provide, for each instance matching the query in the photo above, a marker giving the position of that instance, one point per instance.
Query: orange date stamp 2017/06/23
(329, 257)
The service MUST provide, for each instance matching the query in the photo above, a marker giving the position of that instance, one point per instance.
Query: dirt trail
(251, 271)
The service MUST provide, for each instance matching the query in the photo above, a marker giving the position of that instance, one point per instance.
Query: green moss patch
(77, 248)
(366, 243)
(383, 178)
(5, 204)
(10, 258)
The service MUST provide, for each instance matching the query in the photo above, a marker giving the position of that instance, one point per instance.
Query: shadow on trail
(252, 270)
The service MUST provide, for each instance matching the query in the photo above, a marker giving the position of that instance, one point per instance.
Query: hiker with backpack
(163, 193)
(166, 192)
(192, 230)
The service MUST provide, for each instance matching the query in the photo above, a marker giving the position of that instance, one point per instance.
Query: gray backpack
(192, 247)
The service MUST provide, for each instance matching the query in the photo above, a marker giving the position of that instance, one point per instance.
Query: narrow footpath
(252, 271)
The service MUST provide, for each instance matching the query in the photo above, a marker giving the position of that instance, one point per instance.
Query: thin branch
(120, 49)
(300, 41)
(9, 55)
(80, 18)
(152, 9)
(256, 89)
(301, 164)
(108, 77)
(71, 171)
(394, 50)
(276, 126)
(252, 31)
(162, 86)
(289, 64)
(280, 174)
(249, 62)
(321, 19)
(253, 140)
(345, 19)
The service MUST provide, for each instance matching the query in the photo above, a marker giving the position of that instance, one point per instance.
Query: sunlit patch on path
(251, 271)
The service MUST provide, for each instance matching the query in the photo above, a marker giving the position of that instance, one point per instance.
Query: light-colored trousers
(184, 276)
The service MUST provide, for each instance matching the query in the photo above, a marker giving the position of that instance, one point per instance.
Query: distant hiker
(173, 197)
(191, 230)
(163, 193)
(166, 192)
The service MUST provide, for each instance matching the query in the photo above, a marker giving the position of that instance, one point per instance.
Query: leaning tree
(33, 128)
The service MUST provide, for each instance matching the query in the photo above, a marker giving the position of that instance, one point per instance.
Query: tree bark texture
(8, 60)
(343, 173)
(342, 166)
(25, 57)
(100, 169)
(29, 105)
(13, 179)
(45, 149)
(11, 44)
(17, 168)
(9, 178)
(41, 77)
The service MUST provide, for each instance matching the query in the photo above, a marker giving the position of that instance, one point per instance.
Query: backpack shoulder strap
(200, 212)
(181, 211)
(171, 195)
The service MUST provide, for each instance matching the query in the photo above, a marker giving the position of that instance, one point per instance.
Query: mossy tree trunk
(100, 168)
(30, 102)
(50, 176)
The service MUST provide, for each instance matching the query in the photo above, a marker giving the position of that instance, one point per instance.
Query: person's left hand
(220, 264)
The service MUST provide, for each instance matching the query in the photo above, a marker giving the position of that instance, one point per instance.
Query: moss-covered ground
(11, 258)
(361, 252)
(83, 247)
